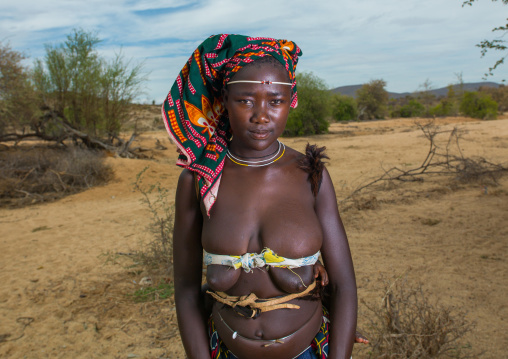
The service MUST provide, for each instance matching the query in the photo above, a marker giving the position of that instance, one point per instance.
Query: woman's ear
(224, 94)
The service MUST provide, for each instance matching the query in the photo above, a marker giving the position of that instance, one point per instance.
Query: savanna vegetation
(372, 101)
(71, 96)
(311, 114)
(73, 101)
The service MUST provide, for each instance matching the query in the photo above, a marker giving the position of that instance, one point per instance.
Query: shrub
(157, 256)
(92, 93)
(405, 324)
(344, 108)
(310, 117)
(478, 105)
(412, 109)
(498, 94)
(41, 174)
(18, 103)
(445, 107)
(372, 100)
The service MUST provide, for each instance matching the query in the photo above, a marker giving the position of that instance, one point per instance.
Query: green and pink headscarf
(193, 110)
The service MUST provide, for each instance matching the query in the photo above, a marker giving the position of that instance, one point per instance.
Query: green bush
(310, 117)
(445, 107)
(478, 105)
(92, 93)
(412, 109)
(498, 94)
(372, 100)
(344, 108)
(18, 102)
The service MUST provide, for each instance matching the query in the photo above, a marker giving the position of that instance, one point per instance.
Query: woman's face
(258, 112)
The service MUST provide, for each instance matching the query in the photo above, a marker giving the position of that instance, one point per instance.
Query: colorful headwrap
(193, 110)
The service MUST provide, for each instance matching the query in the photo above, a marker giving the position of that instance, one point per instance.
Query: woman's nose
(260, 114)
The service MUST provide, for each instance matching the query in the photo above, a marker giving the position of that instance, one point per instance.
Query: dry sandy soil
(66, 289)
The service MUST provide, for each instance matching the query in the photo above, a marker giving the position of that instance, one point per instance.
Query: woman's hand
(320, 272)
(359, 338)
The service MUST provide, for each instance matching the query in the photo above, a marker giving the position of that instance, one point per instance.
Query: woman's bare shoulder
(187, 181)
(186, 177)
(186, 192)
(293, 155)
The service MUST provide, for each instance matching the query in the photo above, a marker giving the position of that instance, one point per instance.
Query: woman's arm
(187, 263)
(339, 265)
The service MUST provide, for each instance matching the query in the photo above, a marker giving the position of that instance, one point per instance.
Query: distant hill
(470, 86)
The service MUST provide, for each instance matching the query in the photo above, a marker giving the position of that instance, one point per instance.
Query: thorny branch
(440, 161)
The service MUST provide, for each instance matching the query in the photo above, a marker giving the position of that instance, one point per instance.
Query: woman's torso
(268, 207)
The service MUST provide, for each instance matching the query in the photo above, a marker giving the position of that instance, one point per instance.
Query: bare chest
(274, 210)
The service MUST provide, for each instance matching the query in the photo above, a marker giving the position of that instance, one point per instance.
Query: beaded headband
(260, 82)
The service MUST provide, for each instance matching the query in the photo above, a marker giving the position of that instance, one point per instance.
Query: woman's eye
(277, 102)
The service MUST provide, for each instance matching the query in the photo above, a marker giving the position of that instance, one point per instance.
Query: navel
(258, 334)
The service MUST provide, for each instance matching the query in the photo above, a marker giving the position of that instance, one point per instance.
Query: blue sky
(345, 42)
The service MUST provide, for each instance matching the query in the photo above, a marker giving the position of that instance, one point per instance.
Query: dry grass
(443, 159)
(406, 324)
(39, 174)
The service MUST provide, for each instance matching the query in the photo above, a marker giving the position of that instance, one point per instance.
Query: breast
(287, 225)
(293, 280)
(221, 278)
(272, 213)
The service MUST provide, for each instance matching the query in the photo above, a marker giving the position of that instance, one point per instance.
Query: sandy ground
(66, 289)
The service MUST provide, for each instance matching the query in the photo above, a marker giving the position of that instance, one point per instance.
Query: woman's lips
(259, 134)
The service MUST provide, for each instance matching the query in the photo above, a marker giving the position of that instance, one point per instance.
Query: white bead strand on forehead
(260, 82)
(259, 163)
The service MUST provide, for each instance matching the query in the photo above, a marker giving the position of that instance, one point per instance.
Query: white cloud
(343, 41)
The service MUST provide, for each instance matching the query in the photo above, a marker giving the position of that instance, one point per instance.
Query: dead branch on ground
(441, 161)
(66, 131)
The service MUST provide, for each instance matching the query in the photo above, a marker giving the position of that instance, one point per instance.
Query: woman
(261, 212)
